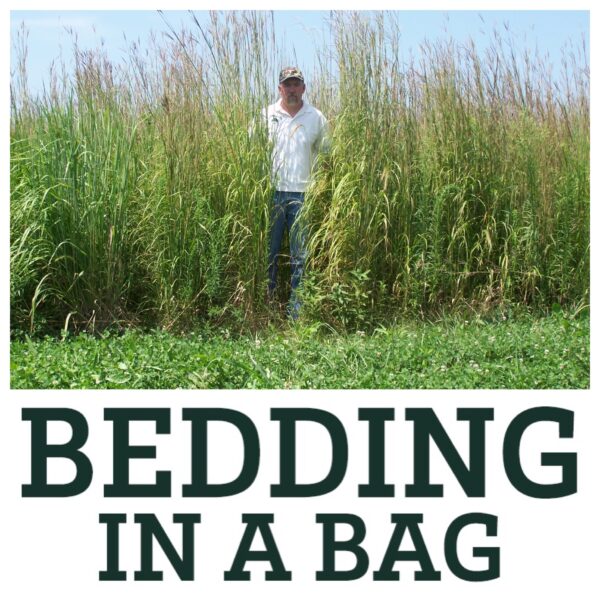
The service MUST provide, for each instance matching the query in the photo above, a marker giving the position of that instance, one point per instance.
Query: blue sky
(547, 30)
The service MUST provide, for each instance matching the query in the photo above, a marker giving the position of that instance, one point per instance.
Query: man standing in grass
(297, 131)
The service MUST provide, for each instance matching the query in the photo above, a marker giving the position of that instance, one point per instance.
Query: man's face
(291, 91)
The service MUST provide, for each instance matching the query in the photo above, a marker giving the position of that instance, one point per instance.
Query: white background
(57, 546)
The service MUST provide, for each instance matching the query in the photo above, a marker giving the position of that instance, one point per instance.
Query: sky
(48, 38)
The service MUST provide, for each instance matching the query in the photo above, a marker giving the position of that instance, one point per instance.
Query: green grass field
(522, 352)
(455, 182)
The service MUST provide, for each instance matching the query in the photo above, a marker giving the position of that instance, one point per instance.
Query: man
(297, 131)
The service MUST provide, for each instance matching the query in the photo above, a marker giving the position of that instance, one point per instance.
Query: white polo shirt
(296, 142)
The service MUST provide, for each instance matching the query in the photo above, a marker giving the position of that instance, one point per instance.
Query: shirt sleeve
(323, 142)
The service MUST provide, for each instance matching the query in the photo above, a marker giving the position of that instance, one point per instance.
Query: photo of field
(447, 220)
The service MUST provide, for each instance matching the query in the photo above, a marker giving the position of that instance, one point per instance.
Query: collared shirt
(296, 143)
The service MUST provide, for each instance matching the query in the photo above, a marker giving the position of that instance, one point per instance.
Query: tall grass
(140, 192)
(457, 178)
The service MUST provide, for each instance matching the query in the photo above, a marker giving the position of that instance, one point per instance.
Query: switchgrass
(140, 192)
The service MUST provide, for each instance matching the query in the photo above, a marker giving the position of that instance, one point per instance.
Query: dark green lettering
(410, 523)
(112, 572)
(492, 554)
(427, 426)
(288, 417)
(376, 488)
(254, 523)
(123, 452)
(41, 451)
(567, 461)
(151, 529)
(200, 486)
(331, 546)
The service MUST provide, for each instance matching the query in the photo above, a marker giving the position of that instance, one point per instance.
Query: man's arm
(323, 142)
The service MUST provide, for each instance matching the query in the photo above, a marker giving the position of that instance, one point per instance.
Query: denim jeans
(286, 206)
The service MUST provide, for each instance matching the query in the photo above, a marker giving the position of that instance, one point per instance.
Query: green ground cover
(522, 352)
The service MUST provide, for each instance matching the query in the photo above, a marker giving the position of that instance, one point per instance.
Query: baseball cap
(289, 72)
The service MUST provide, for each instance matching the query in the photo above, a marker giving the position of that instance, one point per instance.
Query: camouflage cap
(289, 72)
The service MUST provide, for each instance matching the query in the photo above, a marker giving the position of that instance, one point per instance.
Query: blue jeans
(286, 206)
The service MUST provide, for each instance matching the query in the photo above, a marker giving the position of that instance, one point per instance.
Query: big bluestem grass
(140, 192)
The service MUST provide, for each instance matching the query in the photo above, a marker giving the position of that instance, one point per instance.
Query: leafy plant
(500, 353)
